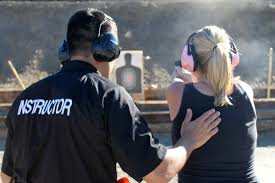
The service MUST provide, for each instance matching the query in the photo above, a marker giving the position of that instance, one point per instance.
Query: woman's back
(229, 155)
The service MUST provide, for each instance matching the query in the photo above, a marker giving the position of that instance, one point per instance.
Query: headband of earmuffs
(105, 48)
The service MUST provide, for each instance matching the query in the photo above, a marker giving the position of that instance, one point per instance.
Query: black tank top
(228, 157)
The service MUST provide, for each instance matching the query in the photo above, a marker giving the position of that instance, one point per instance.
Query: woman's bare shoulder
(176, 87)
(174, 97)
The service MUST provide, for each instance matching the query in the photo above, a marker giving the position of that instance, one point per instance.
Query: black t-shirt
(229, 156)
(74, 126)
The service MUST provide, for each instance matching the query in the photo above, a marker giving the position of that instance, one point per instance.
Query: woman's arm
(5, 178)
(249, 91)
(181, 75)
(175, 89)
(174, 97)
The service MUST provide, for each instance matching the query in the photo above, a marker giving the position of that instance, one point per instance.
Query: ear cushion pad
(106, 47)
(187, 60)
(63, 52)
(234, 54)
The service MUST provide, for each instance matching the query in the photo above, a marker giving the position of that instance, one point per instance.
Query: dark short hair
(83, 29)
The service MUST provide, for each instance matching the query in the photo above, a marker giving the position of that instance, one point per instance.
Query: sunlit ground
(265, 157)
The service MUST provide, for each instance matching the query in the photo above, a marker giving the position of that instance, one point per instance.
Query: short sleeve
(134, 147)
(7, 164)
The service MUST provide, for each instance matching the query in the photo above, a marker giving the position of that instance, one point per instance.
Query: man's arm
(135, 148)
(7, 163)
(5, 178)
(194, 134)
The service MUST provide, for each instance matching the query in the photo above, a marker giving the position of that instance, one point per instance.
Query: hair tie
(215, 47)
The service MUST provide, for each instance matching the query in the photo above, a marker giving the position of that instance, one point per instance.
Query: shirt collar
(77, 65)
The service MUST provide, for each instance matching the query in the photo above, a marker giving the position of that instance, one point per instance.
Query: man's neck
(84, 59)
(102, 67)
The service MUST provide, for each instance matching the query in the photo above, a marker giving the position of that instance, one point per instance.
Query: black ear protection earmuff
(63, 52)
(105, 48)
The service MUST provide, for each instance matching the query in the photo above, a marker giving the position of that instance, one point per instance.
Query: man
(75, 125)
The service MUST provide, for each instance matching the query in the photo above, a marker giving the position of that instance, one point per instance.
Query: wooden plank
(5, 105)
(160, 127)
(8, 96)
(266, 125)
(15, 73)
(269, 77)
(266, 114)
(157, 116)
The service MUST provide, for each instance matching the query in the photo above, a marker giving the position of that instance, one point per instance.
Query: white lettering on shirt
(21, 107)
(67, 105)
(28, 108)
(40, 106)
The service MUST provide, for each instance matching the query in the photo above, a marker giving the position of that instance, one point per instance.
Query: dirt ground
(265, 166)
(265, 158)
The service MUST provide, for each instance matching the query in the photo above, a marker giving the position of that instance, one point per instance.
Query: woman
(209, 58)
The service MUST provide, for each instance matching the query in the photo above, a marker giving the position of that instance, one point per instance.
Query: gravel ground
(265, 157)
(265, 166)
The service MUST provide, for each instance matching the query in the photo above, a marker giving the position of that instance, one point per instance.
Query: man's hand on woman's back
(198, 132)
(194, 134)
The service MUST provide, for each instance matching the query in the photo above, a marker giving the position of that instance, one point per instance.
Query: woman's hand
(182, 74)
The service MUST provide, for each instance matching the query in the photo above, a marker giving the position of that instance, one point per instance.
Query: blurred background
(33, 30)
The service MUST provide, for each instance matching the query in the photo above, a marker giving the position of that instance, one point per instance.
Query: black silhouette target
(128, 75)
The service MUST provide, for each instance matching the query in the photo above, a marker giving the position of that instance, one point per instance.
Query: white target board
(129, 71)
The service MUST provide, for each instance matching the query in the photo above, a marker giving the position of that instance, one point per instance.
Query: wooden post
(15, 73)
(269, 81)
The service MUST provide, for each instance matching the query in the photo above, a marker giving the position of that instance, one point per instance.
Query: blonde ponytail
(212, 46)
(219, 75)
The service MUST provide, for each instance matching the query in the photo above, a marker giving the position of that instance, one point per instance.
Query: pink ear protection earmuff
(189, 57)
(234, 54)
